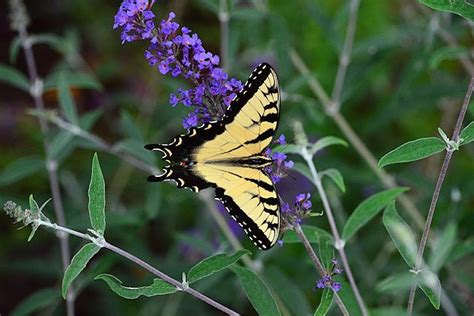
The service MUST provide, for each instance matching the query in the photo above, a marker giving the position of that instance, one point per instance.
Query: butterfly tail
(160, 147)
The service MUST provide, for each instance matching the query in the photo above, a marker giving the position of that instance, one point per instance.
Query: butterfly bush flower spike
(327, 280)
(177, 51)
(300, 210)
(281, 163)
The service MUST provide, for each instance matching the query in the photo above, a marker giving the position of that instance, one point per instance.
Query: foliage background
(403, 82)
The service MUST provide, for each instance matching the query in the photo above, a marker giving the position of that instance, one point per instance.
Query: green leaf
(257, 292)
(462, 7)
(97, 197)
(442, 247)
(347, 297)
(467, 134)
(15, 78)
(88, 119)
(326, 250)
(461, 250)
(214, 264)
(395, 283)
(129, 127)
(159, 287)
(75, 79)
(325, 142)
(368, 209)
(447, 53)
(66, 100)
(430, 285)
(78, 263)
(412, 151)
(288, 148)
(34, 208)
(60, 142)
(20, 169)
(401, 234)
(312, 233)
(52, 40)
(212, 5)
(289, 291)
(325, 303)
(36, 302)
(335, 176)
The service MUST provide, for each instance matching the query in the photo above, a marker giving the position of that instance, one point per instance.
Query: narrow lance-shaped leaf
(401, 234)
(78, 263)
(20, 169)
(289, 290)
(257, 292)
(325, 142)
(335, 176)
(462, 7)
(158, 287)
(347, 296)
(368, 209)
(447, 53)
(467, 134)
(412, 151)
(442, 247)
(325, 304)
(66, 100)
(461, 250)
(13, 77)
(36, 302)
(214, 264)
(97, 197)
(34, 209)
(395, 283)
(76, 79)
(430, 285)
(326, 250)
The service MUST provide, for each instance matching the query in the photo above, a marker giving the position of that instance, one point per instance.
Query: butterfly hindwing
(250, 197)
(221, 155)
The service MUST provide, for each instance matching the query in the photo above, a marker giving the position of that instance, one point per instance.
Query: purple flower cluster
(281, 164)
(327, 280)
(295, 214)
(136, 20)
(179, 52)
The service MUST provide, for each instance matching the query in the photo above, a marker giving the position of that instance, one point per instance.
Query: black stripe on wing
(251, 229)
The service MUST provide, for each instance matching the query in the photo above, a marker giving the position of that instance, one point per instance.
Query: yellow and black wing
(225, 155)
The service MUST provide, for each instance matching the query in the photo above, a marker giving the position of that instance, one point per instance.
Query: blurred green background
(404, 81)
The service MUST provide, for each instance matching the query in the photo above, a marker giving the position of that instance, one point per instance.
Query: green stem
(338, 242)
(436, 193)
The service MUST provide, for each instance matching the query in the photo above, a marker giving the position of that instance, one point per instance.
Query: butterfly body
(228, 155)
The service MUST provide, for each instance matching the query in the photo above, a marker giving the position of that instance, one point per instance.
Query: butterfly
(228, 155)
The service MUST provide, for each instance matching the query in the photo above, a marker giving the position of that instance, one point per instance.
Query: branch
(437, 190)
(144, 265)
(319, 266)
(20, 19)
(338, 242)
(353, 138)
(345, 57)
